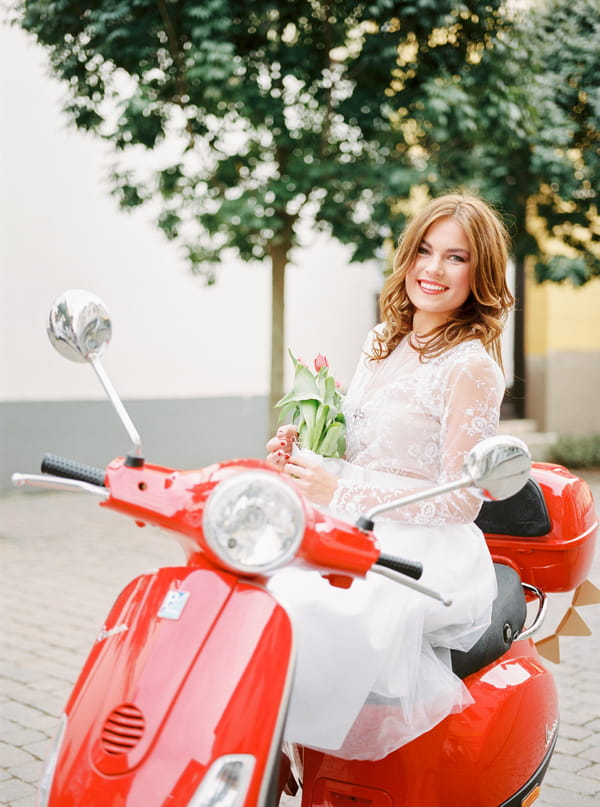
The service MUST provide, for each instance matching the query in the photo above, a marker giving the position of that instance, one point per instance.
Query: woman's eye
(457, 258)
(422, 250)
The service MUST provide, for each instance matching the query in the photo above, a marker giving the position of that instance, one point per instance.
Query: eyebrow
(452, 249)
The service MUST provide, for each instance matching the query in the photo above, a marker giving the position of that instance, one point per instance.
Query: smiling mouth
(431, 288)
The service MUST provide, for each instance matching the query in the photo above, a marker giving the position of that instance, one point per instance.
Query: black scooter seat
(509, 612)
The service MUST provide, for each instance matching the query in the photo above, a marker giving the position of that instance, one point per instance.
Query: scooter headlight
(254, 522)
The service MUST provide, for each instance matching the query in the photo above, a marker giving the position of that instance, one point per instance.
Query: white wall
(172, 336)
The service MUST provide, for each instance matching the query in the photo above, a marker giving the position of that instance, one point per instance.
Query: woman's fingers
(275, 444)
(287, 432)
(278, 457)
(283, 440)
(315, 482)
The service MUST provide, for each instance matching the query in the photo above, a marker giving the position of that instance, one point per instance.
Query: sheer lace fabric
(415, 418)
(373, 662)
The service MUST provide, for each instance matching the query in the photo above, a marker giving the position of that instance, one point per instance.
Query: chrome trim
(79, 328)
(398, 577)
(59, 483)
(277, 738)
(541, 612)
(119, 407)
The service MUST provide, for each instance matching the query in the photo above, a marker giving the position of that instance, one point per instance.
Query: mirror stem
(365, 522)
(135, 456)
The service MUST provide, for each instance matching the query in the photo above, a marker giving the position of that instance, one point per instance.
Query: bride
(428, 386)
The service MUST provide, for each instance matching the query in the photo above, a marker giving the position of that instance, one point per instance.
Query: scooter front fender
(191, 665)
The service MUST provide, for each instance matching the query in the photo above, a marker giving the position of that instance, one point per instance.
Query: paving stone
(29, 772)
(572, 731)
(593, 772)
(38, 749)
(12, 755)
(592, 753)
(21, 735)
(557, 797)
(566, 762)
(575, 783)
(14, 789)
(572, 747)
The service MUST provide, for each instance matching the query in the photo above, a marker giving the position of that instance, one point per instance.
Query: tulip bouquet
(314, 405)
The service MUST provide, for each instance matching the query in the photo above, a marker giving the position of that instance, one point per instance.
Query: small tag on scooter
(173, 604)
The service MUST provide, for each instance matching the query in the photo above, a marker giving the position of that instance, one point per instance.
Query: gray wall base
(180, 433)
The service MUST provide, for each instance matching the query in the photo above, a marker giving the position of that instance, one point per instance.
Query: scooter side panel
(164, 693)
(477, 758)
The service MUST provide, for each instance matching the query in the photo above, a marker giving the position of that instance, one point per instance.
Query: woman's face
(438, 283)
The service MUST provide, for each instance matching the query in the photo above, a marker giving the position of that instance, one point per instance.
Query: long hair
(483, 314)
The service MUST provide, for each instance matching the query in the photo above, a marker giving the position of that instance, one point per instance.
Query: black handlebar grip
(71, 469)
(411, 568)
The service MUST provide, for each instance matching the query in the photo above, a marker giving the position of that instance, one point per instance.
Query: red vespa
(182, 700)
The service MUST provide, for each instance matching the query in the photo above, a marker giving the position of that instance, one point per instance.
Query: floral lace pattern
(407, 417)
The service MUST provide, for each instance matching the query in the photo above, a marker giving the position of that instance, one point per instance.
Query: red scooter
(182, 700)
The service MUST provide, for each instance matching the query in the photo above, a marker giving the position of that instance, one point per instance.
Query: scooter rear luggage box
(547, 532)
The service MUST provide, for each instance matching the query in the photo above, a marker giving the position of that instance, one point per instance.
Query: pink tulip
(320, 362)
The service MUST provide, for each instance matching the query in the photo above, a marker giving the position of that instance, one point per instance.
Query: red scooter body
(194, 664)
(164, 693)
(183, 698)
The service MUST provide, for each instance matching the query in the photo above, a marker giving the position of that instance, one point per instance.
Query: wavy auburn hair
(483, 314)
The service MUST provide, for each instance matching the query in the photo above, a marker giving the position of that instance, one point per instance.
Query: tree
(520, 125)
(565, 37)
(274, 110)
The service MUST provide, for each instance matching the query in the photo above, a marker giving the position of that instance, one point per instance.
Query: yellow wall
(560, 318)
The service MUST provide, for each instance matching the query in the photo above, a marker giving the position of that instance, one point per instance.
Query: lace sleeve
(470, 407)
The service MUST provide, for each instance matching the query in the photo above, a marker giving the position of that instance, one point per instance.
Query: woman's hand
(312, 479)
(280, 446)
(314, 482)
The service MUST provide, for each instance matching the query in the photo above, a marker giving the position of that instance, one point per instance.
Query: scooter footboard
(192, 667)
(495, 748)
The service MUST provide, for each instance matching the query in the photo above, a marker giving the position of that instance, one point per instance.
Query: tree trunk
(279, 253)
(519, 389)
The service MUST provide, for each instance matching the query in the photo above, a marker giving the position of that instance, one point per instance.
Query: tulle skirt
(373, 661)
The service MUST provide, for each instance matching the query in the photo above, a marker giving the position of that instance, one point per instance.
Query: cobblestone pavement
(64, 560)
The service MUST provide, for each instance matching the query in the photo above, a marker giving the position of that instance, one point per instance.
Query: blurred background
(231, 181)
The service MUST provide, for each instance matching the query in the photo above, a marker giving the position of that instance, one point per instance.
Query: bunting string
(572, 623)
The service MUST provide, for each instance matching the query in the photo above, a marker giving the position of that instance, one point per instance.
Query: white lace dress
(373, 664)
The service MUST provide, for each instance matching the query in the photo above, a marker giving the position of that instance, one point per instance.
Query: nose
(434, 264)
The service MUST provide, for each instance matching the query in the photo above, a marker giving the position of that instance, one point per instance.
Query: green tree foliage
(258, 114)
(521, 125)
(565, 37)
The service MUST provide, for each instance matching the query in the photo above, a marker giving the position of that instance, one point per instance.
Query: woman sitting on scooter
(373, 667)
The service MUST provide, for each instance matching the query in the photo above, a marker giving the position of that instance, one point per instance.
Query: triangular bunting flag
(572, 625)
(549, 648)
(586, 594)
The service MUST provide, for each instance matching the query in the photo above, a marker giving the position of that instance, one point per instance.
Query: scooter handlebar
(410, 568)
(71, 469)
